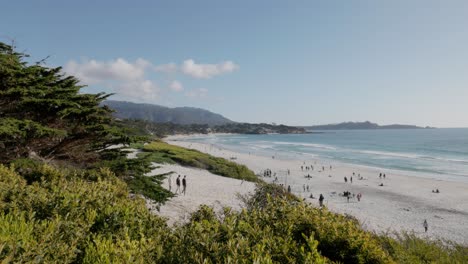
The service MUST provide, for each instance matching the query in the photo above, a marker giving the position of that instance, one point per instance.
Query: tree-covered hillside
(162, 114)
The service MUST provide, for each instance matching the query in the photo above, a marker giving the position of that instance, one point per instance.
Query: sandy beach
(401, 204)
(203, 187)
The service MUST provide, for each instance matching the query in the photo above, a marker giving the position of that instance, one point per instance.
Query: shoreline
(401, 204)
(309, 156)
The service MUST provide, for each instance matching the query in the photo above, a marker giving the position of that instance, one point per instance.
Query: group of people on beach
(178, 182)
(267, 173)
(307, 168)
(350, 179)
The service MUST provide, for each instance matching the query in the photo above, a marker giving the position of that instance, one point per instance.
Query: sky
(287, 62)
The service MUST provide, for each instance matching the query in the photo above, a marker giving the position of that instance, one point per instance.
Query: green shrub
(408, 248)
(66, 216)
(161, 152)
(55, 218)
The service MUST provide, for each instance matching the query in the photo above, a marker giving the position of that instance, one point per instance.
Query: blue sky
(290, 62)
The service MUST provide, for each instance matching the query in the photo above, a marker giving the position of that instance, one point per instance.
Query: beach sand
(203, 187)
(401, 204)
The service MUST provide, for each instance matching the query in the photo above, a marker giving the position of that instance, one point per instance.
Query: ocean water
(436, 153)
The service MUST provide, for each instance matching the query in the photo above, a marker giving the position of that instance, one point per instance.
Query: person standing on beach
(345, 179)
(351, 179)
(426, 226)
(321, 198)
(289, 188)
(184, 184)
(178, 184)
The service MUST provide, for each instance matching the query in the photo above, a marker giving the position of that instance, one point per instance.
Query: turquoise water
(438, 153)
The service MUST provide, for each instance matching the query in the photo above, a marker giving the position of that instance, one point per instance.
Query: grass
(161, 152)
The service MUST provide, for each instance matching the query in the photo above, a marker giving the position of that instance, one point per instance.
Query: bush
(161, 152)
(66, 218)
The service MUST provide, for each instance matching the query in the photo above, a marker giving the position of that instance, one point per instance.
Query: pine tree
(43, 113)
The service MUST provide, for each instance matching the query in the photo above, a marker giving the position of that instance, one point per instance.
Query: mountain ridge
(361, 125)
(162, 114)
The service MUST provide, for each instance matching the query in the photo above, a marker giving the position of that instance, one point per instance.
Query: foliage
(164, 153)
(42, 112)
(160, 130)
(283, 230)
(66, 217)
(133, 172)
(262, 195)
(408, 248)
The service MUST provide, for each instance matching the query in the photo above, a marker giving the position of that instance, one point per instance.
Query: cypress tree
(43, 113)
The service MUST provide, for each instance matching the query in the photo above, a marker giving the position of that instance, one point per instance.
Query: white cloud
(127, 79)
(197, 93)
(93, 71)
(118, 76)
(206, 71)
(176, 86)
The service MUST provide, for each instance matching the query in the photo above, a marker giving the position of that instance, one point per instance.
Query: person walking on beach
(184, 184)
(345, 179)
(289, 188)
(351, 179)
(426, 226)
(178, 184)
(321, 198)
(359, 197)
(303, 187)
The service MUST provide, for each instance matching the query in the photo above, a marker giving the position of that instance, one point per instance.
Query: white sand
(401, 204)
(203, 187)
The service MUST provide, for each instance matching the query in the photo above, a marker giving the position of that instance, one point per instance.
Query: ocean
(435, 153)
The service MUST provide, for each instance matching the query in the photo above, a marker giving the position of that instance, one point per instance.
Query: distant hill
(360, 125)
(162, 114)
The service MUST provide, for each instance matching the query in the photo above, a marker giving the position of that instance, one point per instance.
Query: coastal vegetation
(161, 152)
(67, 196)
(165, 129)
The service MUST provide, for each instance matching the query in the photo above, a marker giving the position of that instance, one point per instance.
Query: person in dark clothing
(184, 184)
(321, 198)
(178, 184)
(426, 226)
